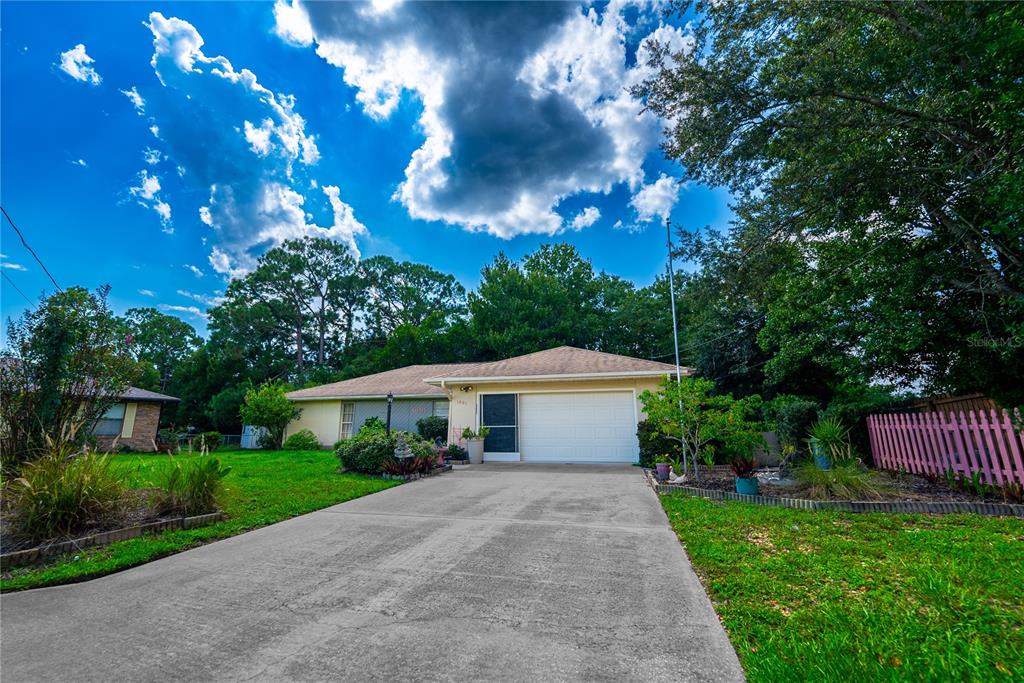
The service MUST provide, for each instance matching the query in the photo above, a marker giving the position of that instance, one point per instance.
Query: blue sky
(161, 147)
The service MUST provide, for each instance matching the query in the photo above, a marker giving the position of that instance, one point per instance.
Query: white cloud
(155, 130)
(75, 63)
(559, 119)
(202, 298)
(617, 225)
(585, 218)
(151, 156)
(136, 99)
(191, 310)
(656, 199)
(12, 266)
(147, 193)
(79, 162)
(195, 270)
(256, 150)
(147, 292)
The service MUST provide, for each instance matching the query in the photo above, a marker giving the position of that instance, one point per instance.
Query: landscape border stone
(30, 555)
(901, 506)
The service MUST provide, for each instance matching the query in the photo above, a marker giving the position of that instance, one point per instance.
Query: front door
(499, 413)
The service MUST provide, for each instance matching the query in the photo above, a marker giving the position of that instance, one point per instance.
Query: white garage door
(578, 427)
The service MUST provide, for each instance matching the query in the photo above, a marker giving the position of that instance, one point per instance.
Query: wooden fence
(982, 441)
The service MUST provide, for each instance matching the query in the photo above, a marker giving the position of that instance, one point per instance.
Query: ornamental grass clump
(847, 481)
(57, 495)
(193, 487)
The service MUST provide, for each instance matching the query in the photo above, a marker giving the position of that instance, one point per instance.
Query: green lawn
(870, 597)
(263, 487)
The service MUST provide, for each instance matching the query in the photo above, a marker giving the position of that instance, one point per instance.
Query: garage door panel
(578, 427)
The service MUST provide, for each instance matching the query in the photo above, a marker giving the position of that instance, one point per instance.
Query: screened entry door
(500, 413)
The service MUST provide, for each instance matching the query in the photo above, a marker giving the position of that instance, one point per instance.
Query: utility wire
(31, 251)
(11, 282)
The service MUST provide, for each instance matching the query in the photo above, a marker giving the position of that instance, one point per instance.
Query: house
(560, 405)
(133, 421)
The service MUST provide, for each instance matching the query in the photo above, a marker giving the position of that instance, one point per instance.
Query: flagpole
(675, 332)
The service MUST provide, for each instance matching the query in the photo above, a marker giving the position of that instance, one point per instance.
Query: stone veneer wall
(147, 421)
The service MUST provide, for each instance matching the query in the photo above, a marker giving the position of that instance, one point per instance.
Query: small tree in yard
(267, 406)
(66, 362)
(705, 425)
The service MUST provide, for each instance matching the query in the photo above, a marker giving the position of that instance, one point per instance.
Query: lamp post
(391, 399)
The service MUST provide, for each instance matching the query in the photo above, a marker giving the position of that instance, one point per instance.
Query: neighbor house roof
(136, 394)
(561, 362)
(407, 382)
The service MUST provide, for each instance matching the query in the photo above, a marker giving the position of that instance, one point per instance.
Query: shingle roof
(560, 361)
(407, 381)
(136, 394)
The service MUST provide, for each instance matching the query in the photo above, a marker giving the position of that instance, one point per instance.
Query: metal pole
(675, 333)
(390, 399)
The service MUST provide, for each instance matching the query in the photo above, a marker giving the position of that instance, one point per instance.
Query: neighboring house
(560, 405)
(133, 421)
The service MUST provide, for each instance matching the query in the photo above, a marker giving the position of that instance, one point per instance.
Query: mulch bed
(892, 487)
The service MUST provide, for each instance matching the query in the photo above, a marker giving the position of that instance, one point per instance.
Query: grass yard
(263, 487)
(869, 597)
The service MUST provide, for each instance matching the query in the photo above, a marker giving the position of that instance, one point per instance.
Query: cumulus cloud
(147, 193)
(255, 150)
(586, 218)
(136, 99)
(522, 104)
(656, 199)
(191, 310)
(147, 292)
(151, 156)
(201, 298)
(75, 63)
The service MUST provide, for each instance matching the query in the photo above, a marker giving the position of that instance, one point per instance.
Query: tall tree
(160, 339)
(403, 293)
(882, 141)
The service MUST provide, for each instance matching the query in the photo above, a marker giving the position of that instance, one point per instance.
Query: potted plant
(661, 466)
(829, 439)
(475, 443)
(743, 468)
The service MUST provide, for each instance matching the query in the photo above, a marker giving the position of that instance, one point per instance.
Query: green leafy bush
(433, 427)
(370, 451)
(457, 452)
(57, 496)
(790, 417)
(373, 424)
(654, 443)
(167, 440)
(267, 406)
(193, 487)
(302, 440)
(211, 441)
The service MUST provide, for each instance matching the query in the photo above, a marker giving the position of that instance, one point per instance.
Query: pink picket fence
(982, 441)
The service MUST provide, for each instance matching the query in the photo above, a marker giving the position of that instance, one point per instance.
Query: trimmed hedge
(302, 440)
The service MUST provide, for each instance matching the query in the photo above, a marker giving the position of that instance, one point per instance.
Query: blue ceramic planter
(823, 462)
(747, 486)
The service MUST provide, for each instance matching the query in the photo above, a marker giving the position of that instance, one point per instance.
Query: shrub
(852, 404)
(433, 427)
(370, 451)
(654, 443)
(457, 452)
(211, 441)
(847, 481)
(790, 417)
(193, 487)
(373, 424)
(57, 496)
(832, 438)
(167, 440)
(302, 440)
(267, 406)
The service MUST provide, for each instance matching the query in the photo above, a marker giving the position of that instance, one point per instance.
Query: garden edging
(20, 557)
(904, 506)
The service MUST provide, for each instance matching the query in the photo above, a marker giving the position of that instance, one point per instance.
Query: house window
(346, 419)
(111, 422)
(441, 409)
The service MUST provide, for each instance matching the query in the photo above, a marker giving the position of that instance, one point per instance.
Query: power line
(31, 251)
(11, 282)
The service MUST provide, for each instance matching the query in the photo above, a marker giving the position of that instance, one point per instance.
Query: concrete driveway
(497, 572)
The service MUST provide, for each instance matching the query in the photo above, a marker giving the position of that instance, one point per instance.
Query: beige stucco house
(560, 405)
